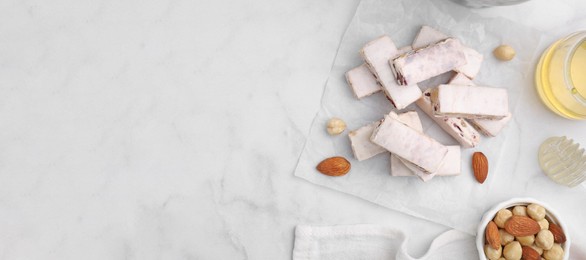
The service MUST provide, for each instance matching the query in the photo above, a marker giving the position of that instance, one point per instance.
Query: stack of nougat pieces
(460, 107)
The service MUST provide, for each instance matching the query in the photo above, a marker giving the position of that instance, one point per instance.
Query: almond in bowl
(522, 228)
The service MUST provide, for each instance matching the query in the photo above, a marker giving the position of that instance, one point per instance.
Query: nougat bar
(376, 54)
(410, 118)
(421, 64)
(362, 82)
(401, 167)
(428, 35)
(424, 152)
(487, 127)
(467, 102)
(360, 142)
(450, 167)
(456, 127)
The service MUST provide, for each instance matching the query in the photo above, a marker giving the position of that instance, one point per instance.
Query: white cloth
(374, 242)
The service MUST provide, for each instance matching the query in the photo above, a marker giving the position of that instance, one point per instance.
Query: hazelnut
(504, 52)
(527, 240)
(520, 211)
(544, 239)
(336, 126)
(555, 253)
(513, 251)
(505, 237)
(544, 224)
(501, 217)
(491, 253)
(536, 212)
(538, 249)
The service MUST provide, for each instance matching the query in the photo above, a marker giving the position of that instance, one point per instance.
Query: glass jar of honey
(560, 76)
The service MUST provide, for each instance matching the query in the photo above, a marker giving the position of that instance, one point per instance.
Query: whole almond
(558, 234)
(334, 166)
(493, 236)
(530, 254)
(480, 166)
(520, 226)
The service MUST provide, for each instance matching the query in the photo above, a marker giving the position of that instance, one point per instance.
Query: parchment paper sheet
(456, 202)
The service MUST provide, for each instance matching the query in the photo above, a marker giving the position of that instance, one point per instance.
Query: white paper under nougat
(453, 201)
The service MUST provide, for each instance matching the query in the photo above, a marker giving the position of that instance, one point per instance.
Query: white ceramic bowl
(489, 215)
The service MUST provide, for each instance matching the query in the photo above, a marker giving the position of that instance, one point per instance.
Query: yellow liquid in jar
(578, 69)
(561, 79)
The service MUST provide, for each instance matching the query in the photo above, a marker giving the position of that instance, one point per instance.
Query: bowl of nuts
(522, 228)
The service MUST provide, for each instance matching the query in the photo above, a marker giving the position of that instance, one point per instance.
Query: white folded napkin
(374, 242)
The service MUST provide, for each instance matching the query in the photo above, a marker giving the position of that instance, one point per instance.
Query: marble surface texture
(170, 129)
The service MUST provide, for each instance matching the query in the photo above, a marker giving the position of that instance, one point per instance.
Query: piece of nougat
(401, 167)
(421, 64)
(398, 168)
(398, 165)
(461, 79)
(487, 127)
(362, 82)
(376, 54)
(450, 167)
(491, 128)
(428, 35)
(473, 63)
(360, 142)
(456, 127)
(472, 103)
(424, 152)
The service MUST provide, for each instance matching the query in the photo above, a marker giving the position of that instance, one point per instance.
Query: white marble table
(170, 129)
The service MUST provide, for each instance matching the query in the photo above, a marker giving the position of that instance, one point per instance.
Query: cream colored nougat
(456, 127)
(450, 167)
(467, 102)
(473, 63)
(362, 82)
(421, 64)
(360, 142)
(376, 54)
(409, 144)
(400, 167)
(428, 35)
(485, 126)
